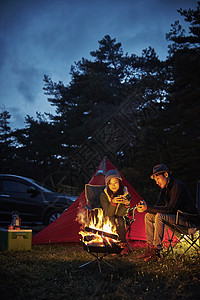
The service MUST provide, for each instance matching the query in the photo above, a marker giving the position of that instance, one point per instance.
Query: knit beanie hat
(111, 174)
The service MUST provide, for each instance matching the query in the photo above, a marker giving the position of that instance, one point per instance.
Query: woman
(115, 201)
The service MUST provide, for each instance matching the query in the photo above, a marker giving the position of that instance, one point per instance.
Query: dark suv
(35, 204)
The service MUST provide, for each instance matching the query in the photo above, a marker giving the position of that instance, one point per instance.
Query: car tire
(52, 216)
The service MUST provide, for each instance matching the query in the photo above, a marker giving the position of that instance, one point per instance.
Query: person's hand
(126, 202)
(117, 199)
(141, 206)
(121, 200)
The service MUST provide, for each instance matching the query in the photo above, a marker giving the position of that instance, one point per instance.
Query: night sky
(40, 37)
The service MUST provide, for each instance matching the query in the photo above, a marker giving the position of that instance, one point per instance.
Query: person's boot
(147, 253)
(154, 255)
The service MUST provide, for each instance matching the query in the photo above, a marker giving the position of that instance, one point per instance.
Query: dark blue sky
(40, 37)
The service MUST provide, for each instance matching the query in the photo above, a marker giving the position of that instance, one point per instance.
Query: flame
(98, 222)
(102, 223)
(108, 241)
(96, 239)
(83, 233)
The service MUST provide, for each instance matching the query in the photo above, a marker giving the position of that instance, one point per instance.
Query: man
(173, 196)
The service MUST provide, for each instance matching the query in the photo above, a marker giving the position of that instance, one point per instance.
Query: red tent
(66, 228)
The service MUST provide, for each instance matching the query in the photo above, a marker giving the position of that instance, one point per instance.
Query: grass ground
(52, 272)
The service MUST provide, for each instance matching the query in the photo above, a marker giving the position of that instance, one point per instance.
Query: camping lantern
(16, 221)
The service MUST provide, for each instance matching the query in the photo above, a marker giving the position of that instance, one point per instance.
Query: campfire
(100, 235)
(99, 238)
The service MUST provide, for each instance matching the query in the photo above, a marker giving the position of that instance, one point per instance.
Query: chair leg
(128, 230)
(170, 239)
(192, 244)
(129, 246)
(190, 240)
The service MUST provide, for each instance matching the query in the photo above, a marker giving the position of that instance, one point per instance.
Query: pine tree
(6, 150)
(184, 93)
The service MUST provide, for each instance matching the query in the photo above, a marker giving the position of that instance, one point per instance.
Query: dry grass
(52, 272)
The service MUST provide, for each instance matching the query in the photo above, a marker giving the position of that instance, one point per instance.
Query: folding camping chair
(188, 232)
(93, 204)
(92, 195)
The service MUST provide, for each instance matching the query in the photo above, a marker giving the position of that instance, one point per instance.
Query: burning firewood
(101, 239)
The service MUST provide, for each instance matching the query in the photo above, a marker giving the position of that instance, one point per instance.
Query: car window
(13, 186)
(41, 187)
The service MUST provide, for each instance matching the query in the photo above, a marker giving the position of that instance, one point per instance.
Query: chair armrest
(193, 218)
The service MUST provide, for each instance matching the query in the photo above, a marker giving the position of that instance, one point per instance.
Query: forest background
(136, 110)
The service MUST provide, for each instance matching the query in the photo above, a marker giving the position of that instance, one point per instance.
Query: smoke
(82, 216)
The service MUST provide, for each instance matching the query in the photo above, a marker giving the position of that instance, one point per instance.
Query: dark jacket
(110, 209)
(172, 198)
